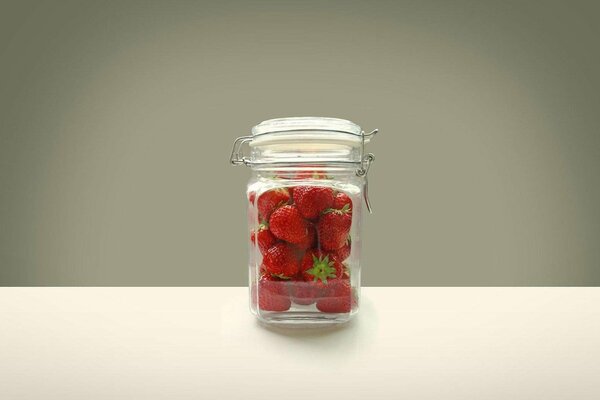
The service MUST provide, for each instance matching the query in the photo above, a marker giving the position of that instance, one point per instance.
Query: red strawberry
(333, 228)
(265, 238)
(303, 175)
(310, 239)
(312, 200)
(339, 298)
(302, 292)
(287, 224)
(319, 266)
(273, 294)
(251, 196)
(341, 199)
(344, 252)
(270, 200)
(280, 260)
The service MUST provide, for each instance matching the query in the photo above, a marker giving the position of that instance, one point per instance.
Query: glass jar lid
(305, 129)
(306, 124)
(302, 139)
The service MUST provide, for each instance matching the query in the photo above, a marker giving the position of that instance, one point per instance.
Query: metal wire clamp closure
(237, 157)
(366, 160)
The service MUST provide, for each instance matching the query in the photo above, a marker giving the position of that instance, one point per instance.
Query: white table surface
(202, 343)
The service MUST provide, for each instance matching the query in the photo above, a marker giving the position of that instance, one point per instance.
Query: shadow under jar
(305, 205)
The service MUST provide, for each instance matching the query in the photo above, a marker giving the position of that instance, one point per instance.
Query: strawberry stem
(322, 269)
(344, 210)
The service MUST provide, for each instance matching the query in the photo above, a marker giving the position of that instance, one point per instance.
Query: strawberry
(265, 237)
(312, 200)
(309, 241)
(341, 199)
(333, 227)
(319, 266)
(251, 196)
(343, 252)
(339, 298)
(302, 292)
(270, 200)
(280, 260)
(287, 224)
(273, 294)
(304, 175)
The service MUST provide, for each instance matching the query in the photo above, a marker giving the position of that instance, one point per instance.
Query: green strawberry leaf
(322, 269)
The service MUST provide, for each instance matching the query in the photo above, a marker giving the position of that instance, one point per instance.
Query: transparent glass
(305, 242)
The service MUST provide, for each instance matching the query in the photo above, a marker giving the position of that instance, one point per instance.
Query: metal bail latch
(237, 156)
(366, 160)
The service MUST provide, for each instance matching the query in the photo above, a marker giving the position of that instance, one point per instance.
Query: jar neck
(317, 171)
(286, 149)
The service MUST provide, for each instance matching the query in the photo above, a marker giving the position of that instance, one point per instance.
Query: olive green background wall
(116, 120)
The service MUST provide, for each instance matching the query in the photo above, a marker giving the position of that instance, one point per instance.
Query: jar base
(303, 319)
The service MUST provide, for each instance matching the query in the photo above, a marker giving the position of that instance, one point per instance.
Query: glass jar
(305, 205)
